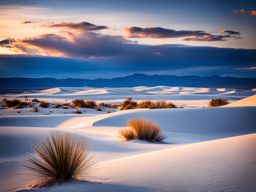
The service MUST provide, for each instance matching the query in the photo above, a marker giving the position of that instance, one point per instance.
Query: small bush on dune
(128, 104)
(155, 105)
(13, 103)
(35, 100)
(109, 105)
(78, 112)
(145, 104)
(83, 104)
(218, 102)
(146, 130)
(127, 134)
(43, 104)
(59, 158)
(162, 104)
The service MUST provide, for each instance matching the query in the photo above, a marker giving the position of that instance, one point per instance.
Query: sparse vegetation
(218, 102)
(43, 104)
(57, 105)
(107, 105)
(127, 134)
(98, 109)
(83, 104)
(155, 105)
(35, 100)
(78, 112)
(128, 104)
(143, 130)
(13, 103)
(59, 158)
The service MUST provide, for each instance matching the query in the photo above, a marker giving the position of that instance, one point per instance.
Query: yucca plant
(146, 130)
(59, 158)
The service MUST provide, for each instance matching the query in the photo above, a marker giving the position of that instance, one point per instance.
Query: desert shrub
(59, 158)
(127, 134)
(35, 100)
(155, 105)
(13, 103)
(57, 105)
(218, 102)
(146, 130)
(98, 109)
(109, 105)
(162, 104)
(78, 112)
(83, 104)
(128, 104)
(43, 104)
(145, 104)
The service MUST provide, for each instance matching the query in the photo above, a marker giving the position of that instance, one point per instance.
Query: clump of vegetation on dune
(43, 104)
(155, 105)
(83, 103)
(127, 134)
(143, 130)
(128, 104)
(15, 103)
(59, 158)
(218, 102)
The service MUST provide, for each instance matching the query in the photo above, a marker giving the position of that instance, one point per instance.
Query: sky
(91, 39)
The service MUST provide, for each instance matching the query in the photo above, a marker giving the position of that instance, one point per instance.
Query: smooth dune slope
(246, 102)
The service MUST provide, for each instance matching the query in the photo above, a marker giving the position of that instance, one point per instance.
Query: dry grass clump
(143, 130)
(145, 104)
(43, 104)
(13, 103)
(127, 134)
(78, 112)
(128, 104)
(83, 104)
(59, 158)
(218, 102)
(35, 100)
(107, 105)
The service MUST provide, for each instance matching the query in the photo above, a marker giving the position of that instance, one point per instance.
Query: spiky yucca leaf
(60, 157)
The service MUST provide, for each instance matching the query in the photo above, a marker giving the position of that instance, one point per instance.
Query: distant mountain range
(130, 81)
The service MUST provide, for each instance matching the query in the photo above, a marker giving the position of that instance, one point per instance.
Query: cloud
(158, 32)
(7, 43)
(188, 35)
(85, 26)
(231, 32)
(246, 12)
(26, 22)
(82, 45)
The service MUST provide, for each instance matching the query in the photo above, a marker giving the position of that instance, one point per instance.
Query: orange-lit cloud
(246, 12)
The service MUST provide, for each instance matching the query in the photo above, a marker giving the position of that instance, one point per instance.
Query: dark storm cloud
(231, 32)
(78, 26)
(7, 42)
(159, 32)
(208, 38)
(189, 35)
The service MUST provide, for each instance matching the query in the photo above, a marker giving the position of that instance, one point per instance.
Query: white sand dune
(248, 101)
(205, 150)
